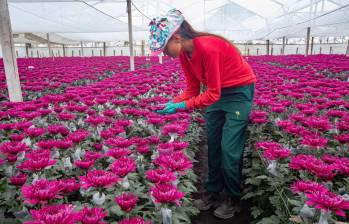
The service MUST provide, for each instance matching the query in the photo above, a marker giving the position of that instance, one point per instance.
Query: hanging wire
(44, 18)
(134, 5)
(309, 20)
(106, 14)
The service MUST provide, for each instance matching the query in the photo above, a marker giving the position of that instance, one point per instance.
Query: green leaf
(270, 220)
(295, 202)
(116, 210)
(256, 211)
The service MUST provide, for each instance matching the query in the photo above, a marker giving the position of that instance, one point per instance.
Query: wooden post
(130, 37)
(72, 53)
(114, 52)
(63, 50)
(49, 44)
(160, 58)
(347, 51)
(248, 51)
(121, 53)
(143, 48)
(272, 50)
(27, 49)
(283, 45)
(307, 42)
(331, 50)
(9, 57)
(268, 47)
(257, 51)
(312, 45)
(104, 49)
(320, 50)
(82, 49)
(37, 53)
(297, 50)
(92, 53)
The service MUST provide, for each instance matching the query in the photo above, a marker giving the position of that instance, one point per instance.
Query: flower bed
(98, 153)
(298, 171)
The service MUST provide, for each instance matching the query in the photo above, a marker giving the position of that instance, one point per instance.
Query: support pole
(27, 45)
(63, 50)
(312, 45)
(82, 49)
(143, 48)
(307, 42)
(268, 47)
(283, 45)
(8, 52)
(49, 44)
(160, 58)
(347, 52)
(104, 49)
(130, 37)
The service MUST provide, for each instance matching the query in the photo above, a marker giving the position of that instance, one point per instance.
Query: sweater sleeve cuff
(189, 104)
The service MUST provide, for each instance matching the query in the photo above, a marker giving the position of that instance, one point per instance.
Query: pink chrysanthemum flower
(41, 191)
(176, 161)
(55, 214)
(18, 180)
(98, 178)
(160, 176)
(134, 220)
(92, 215)
(118, 152)
(123, 166)
(307, 187)
(37, 160)
(126, 201)
(328, 201)
(69, 185)
(166, 193)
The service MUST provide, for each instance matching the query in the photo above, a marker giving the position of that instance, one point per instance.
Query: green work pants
(227, 120)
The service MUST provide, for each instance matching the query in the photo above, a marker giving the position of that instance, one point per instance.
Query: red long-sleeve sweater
(215, 63)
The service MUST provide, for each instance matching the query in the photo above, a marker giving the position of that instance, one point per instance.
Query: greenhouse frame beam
(9, 55)
(335, 2)
(298, 9)
(347, 52)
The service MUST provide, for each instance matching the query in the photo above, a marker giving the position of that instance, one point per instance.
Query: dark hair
(188, 32)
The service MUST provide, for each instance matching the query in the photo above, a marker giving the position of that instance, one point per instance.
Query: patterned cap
(162, 28)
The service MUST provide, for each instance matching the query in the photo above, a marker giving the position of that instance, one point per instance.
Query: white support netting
(106, 20)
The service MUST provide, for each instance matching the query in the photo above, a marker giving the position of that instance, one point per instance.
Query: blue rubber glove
(171, 108)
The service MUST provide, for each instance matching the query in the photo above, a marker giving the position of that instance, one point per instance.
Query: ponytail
(188, 32)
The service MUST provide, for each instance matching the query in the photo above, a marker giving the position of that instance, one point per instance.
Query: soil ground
(207, 217)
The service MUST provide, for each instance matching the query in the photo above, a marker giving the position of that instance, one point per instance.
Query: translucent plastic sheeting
(61, 16)
(106, 20)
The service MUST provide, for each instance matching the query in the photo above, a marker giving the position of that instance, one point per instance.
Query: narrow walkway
(207, 217)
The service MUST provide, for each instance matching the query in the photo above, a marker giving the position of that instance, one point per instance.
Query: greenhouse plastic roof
(106, 20)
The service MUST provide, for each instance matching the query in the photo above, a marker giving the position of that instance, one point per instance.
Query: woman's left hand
(171, 108)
